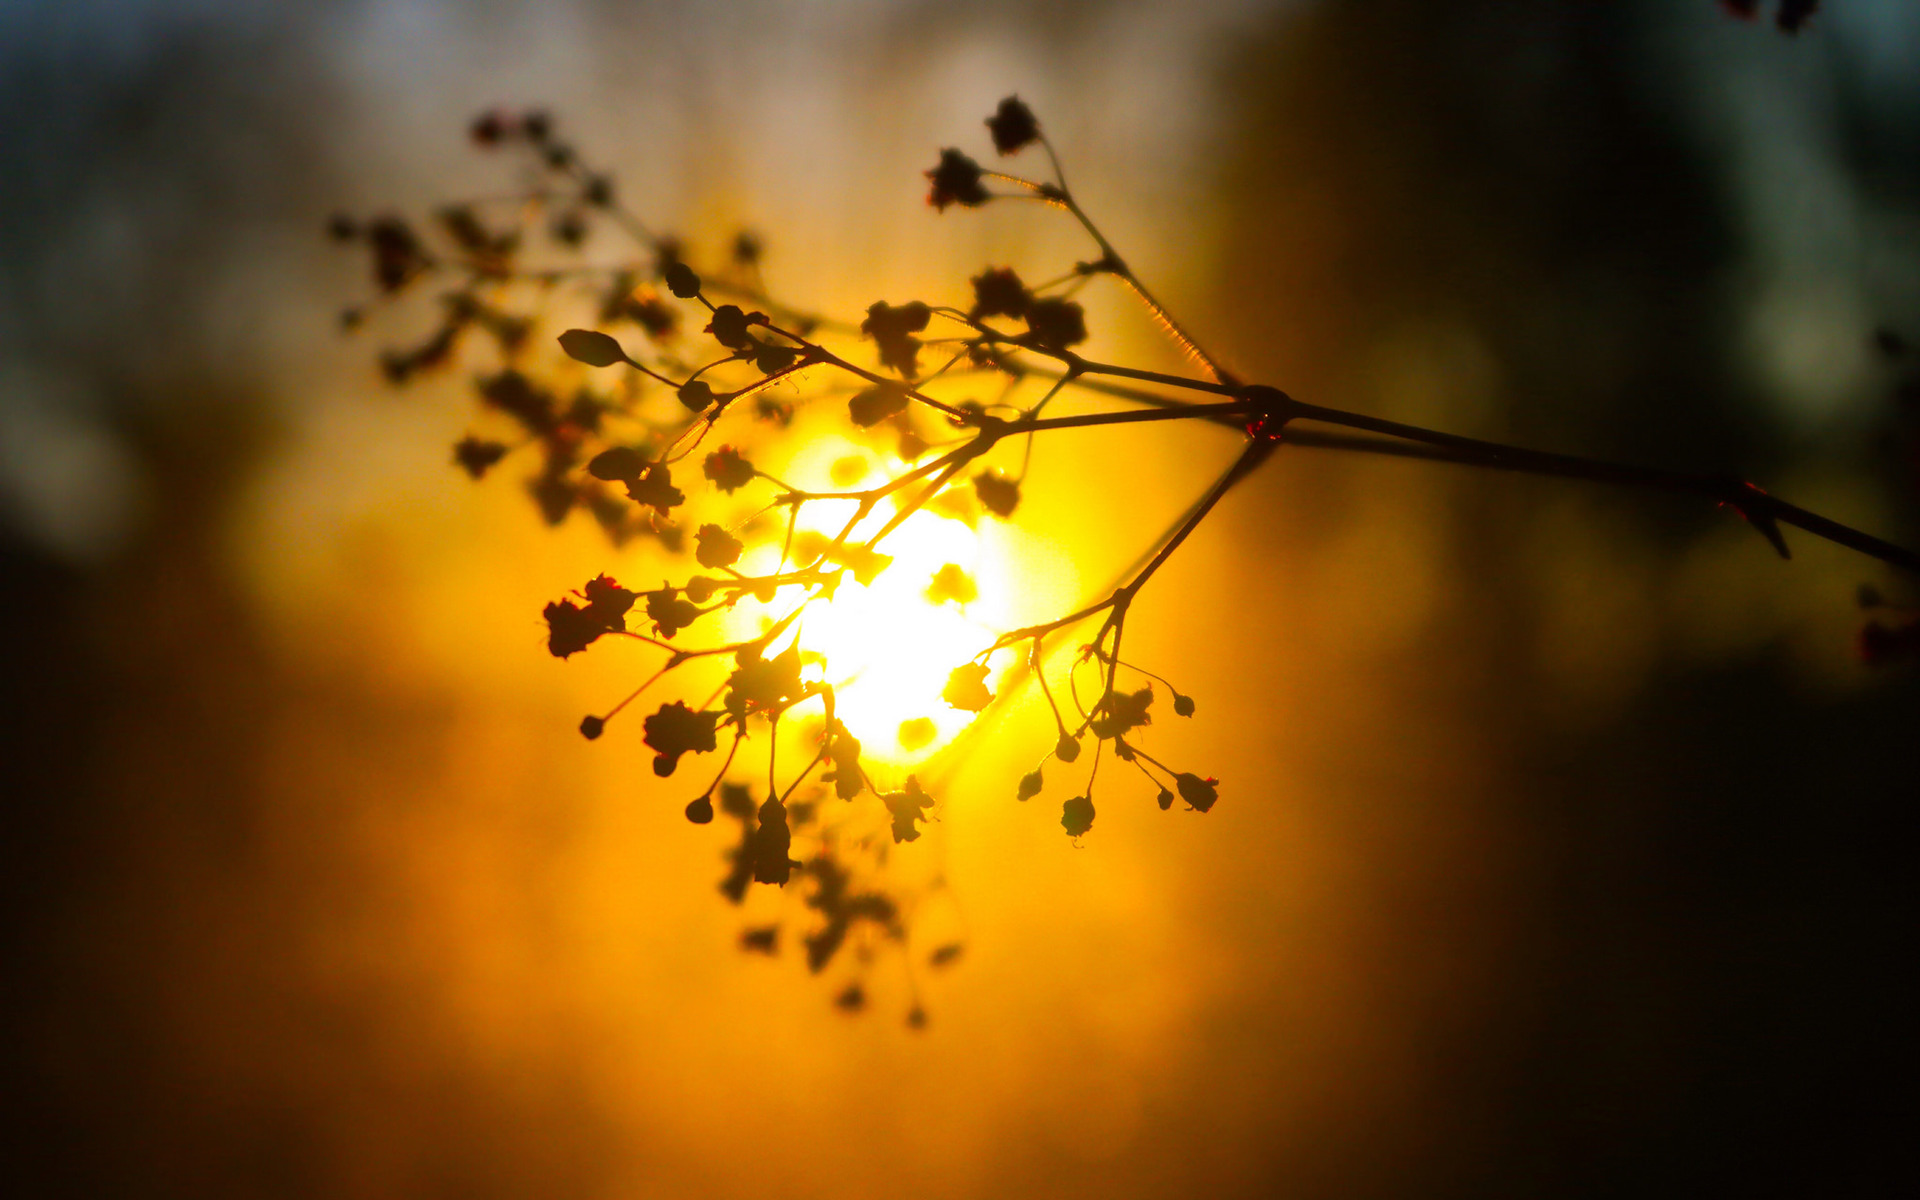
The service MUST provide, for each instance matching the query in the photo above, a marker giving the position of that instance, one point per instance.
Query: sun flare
(889, 645)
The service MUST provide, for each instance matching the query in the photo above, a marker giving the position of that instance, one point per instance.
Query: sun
(888, 645)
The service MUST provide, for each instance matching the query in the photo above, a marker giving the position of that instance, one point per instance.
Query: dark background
(1616, 815)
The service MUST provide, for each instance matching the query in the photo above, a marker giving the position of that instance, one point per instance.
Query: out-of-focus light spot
(65, 481)
(888, 646)
(1812, 346)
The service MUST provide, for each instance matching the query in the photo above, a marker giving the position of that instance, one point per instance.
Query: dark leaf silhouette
(592, 347)
(618, 464)
(772, 359)
(946, 956)
(676, 730)
(763, 940)
(1030, 785)
(681, 281)
(876, 404)
(967, 688)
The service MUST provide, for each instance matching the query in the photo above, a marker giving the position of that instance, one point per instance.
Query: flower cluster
(617, 412)
(658, 398)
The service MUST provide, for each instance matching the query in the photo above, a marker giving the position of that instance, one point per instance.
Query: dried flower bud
(998, 292)
(728, 470)
(1013, 125)
(1198, 792)
(956, 180)
(1055, 324)
(1076, 815)
(617, 465)
(696, 395)
(716, 547)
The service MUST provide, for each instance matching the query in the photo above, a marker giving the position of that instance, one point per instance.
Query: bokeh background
(1561, 847)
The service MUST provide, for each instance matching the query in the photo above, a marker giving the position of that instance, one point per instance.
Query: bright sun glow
(889, 645)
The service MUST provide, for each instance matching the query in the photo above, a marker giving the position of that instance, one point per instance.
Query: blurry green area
(1559, 848)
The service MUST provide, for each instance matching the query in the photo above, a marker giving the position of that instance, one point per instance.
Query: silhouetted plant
(624, 422)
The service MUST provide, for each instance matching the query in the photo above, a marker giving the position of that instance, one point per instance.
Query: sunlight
(889, 648)
(890, 644)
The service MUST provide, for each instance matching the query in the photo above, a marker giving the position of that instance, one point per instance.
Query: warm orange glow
(889, 644)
